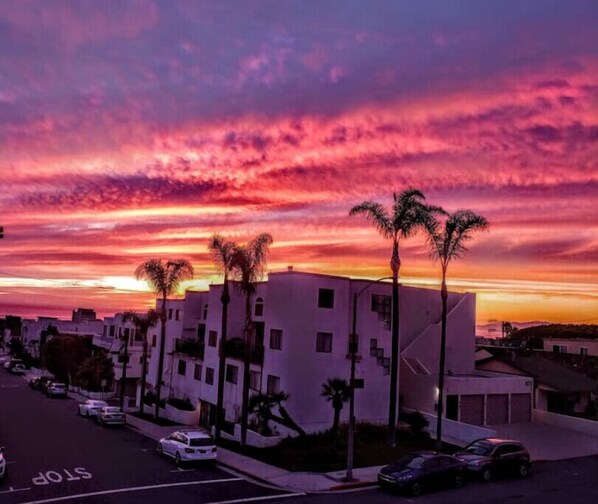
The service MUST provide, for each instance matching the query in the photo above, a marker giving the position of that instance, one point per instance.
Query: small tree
(337, 392)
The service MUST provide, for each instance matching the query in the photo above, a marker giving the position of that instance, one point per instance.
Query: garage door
(497, 409)
(472, 409)
(521, 408)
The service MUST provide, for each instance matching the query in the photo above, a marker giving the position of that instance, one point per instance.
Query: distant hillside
(531, 337)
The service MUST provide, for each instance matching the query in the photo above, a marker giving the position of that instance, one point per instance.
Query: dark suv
(488, 458)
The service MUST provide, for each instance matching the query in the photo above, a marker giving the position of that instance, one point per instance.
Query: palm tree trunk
(143, 375)
(161, 357)
(246, 365)
(225, 298)
(124, 374)
(395, 265)
(440, 412)
(337, 418)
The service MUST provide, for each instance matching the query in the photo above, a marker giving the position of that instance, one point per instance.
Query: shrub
(417, 422)
(181, 404)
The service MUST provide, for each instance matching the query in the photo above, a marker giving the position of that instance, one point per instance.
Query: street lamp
(353, 351)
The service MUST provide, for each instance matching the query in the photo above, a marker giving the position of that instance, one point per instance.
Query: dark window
(154, 338)
(178, 314)
(381, 304)
(197, 372)
(105, 331)
(255, 380)
(121, 358)
(326, 298)
(273, 386)
(232, 374)
(259, 307)
(112, 328)
(275, 339)
(210, 376)
(182, 367)
(205, 311)
(583, 350)
(170, 314)
(138, 335)
(201, 333)
(127, 333)
(212, 338)
(324, 342)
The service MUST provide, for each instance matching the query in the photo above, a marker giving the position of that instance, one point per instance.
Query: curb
(351, 486)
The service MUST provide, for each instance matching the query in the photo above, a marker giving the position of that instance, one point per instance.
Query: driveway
(545, 442)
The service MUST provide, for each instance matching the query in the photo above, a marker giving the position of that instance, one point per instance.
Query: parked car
(18, 369)
(3, 470)
(419, 471)
(488, 458)
(188, 445)
(91, 407)
(12, 363)
(43, 383)
(110, 415)
(56, 389)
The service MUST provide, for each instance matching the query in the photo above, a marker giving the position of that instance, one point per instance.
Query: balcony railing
(190, 347)
(235, 349)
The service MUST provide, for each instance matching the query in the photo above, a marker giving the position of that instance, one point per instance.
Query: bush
(181, 404)
(417, 422)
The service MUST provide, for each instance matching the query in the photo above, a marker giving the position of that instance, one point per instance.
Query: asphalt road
(56, 456)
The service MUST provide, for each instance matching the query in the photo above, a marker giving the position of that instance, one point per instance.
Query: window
(210, 376)
(127, 333)
(197, 372)
(584, 350)
(112, 328)
(201, 333)
(326, 298)
(232, 374)
(205, 311)
(154, 338)
(259, 307)
(121, 359)
(169, 313)
(138, 335)
(381, 304)
(212, 338)
(324, 342)
(275, 339)
(273, 386)
(141, 359)
(178, 315)
(559, 348)
(105, 331)
(255, 380)
(182, 367)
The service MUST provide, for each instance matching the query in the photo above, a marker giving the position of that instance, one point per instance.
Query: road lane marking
(132, 489)
(182, 470)
(262, 498)
(12, 490)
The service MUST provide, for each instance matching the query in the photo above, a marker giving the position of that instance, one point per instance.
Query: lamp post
(353, 351)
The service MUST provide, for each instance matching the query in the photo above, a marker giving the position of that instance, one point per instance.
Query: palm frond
(377, 215)
(221, 250)
(164, 276)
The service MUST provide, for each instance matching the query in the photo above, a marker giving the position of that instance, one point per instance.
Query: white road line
(11, 490)
(263, 498)
(132, 489)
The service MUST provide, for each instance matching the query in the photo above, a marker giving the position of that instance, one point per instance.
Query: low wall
(180, 416)
(458, 432)
(588, 427)
(92, 395)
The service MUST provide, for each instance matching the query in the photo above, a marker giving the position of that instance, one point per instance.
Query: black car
(490, 457)
(421, 470)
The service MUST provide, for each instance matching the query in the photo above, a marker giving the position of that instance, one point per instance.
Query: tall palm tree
(407, 215)
(247, 266)
(222, 254)
(336, 391)
(447, 242)
(164, 277)
(142, 324)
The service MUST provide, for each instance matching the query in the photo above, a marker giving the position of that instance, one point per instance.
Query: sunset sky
(137, 129)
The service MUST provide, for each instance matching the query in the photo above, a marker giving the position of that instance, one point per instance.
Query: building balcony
(190, 347)
(235, 349)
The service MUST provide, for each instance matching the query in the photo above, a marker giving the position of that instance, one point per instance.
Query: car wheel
(416, 489)
(87, 413)
(177, 459)
(486, 474)
(522, 470)
(458, 481)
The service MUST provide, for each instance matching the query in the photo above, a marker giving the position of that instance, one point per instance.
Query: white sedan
(91, 407)
(188, 445)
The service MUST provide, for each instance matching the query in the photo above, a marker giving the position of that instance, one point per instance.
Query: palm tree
(164, 277)
(447, 242)
(336, 391)
(407, 215)
(247, 266)
(142, 324)
(222, 254)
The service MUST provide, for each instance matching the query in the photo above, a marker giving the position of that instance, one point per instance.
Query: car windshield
(479, 448)
(201, 442)
(411, 461)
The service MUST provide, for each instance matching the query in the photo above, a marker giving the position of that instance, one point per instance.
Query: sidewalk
(295, 481)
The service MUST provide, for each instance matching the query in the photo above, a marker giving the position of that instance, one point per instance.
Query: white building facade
(303, 322)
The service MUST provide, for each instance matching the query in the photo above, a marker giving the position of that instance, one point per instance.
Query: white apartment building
(303, 320)
(577, 346)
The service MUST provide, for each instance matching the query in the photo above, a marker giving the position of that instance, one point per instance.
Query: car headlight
(403, 477)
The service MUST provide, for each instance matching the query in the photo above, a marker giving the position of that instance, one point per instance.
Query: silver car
(56, 390)
(111, 415)
(91, 407)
